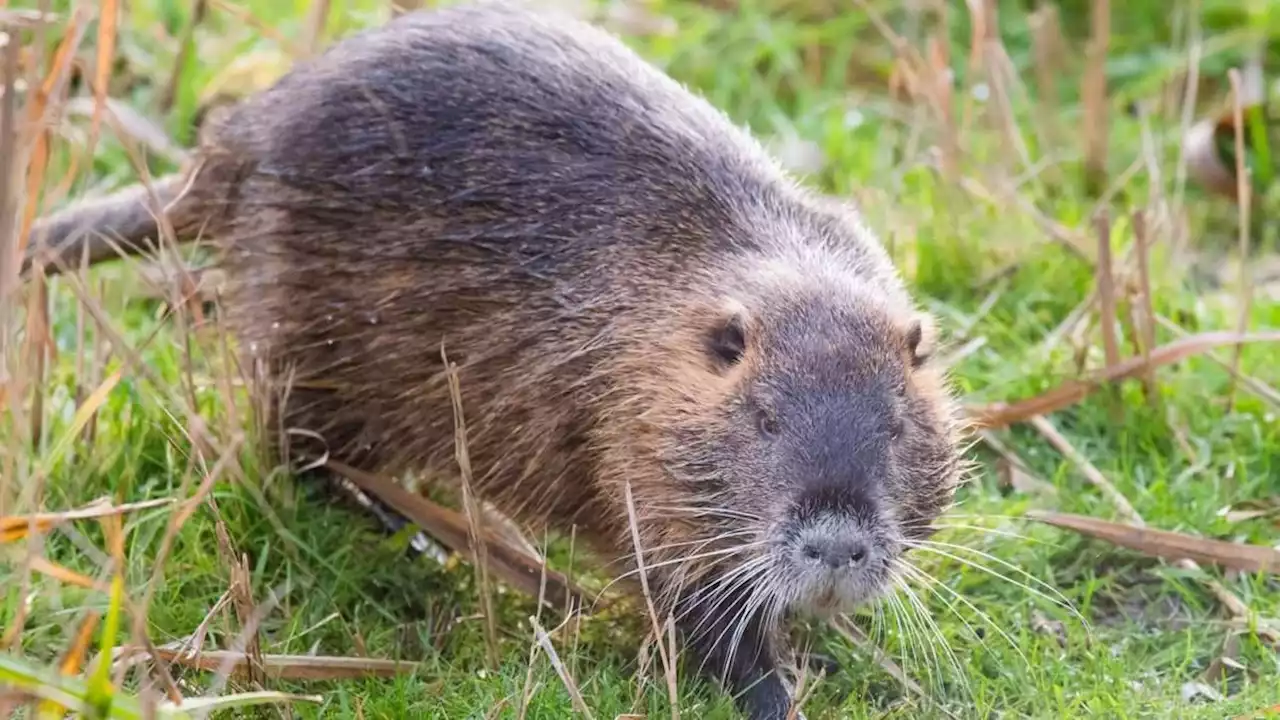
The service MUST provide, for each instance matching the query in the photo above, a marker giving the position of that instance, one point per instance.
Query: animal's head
(805, 438)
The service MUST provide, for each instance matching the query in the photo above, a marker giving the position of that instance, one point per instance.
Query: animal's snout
(835, 552)
(833, 545)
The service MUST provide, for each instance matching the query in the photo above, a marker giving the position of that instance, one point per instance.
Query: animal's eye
(728, 341)
(767, 422)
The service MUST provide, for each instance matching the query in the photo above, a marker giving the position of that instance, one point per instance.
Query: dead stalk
(569, 684)
(198, 10)
(317, 18)
(1094, 95)
(248, 614)
(475, 529)
(943, 101)
(1244, 196)
(1002, 79)
(526, 694)
(1148, 314)
(37, 330)
(1195, 48)
(1106, 290)
(1263, 391)
(49, 95)
(181, 514)
(10, 197)
(668, 662)
(108, 19)
(1047, 48)
(400, 7)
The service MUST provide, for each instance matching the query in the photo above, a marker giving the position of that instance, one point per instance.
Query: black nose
(835, 553)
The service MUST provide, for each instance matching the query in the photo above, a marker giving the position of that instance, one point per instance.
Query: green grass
(339, 587)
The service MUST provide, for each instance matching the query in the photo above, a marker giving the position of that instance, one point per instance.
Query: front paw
(767, 699)
(824, 664)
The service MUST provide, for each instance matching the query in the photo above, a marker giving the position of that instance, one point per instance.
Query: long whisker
(775, 606)
(929, 582)
(758, 596)
(928, 655)
(691, 558)
(745, 601)
(724, 588)
(655, 549)
(1061, 601)
(927, 620)
(987, 618)
(720, 555)
(908, 649)
(696, 511)
(672, 597)
(767, 603)
(726, 581)
(662, 549)
(955, 662)
(710, 598)
(971, 516)
(993, 531)
(672, 591)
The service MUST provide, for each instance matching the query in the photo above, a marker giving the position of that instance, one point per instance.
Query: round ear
(920, 340)
(727, 339)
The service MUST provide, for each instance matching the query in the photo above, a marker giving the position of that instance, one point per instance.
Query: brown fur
(571, 226)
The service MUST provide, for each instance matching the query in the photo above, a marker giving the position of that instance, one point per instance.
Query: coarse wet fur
(638, 300)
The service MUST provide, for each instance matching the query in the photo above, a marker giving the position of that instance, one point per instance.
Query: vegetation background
(1024, 161)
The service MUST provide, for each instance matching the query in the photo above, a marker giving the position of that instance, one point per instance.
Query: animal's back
(519, 109)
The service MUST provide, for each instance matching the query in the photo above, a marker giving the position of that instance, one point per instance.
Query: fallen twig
(14, 527)
(1234, 605)
(1094, 476)
(450, 529)
(1073, 391)
(1167, 544)
(291, 667)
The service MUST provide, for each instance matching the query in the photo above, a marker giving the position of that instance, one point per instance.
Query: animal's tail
(123, 222)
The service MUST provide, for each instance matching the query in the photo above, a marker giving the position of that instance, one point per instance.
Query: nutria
(635, 294)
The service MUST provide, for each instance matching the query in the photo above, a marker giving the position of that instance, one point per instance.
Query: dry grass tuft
(475, 527)
(545, 643)
(1094, 94)
(668, 658)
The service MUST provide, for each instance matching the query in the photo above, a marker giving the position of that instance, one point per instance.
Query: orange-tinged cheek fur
(930, 384)
(670, 385)
(940, 415)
